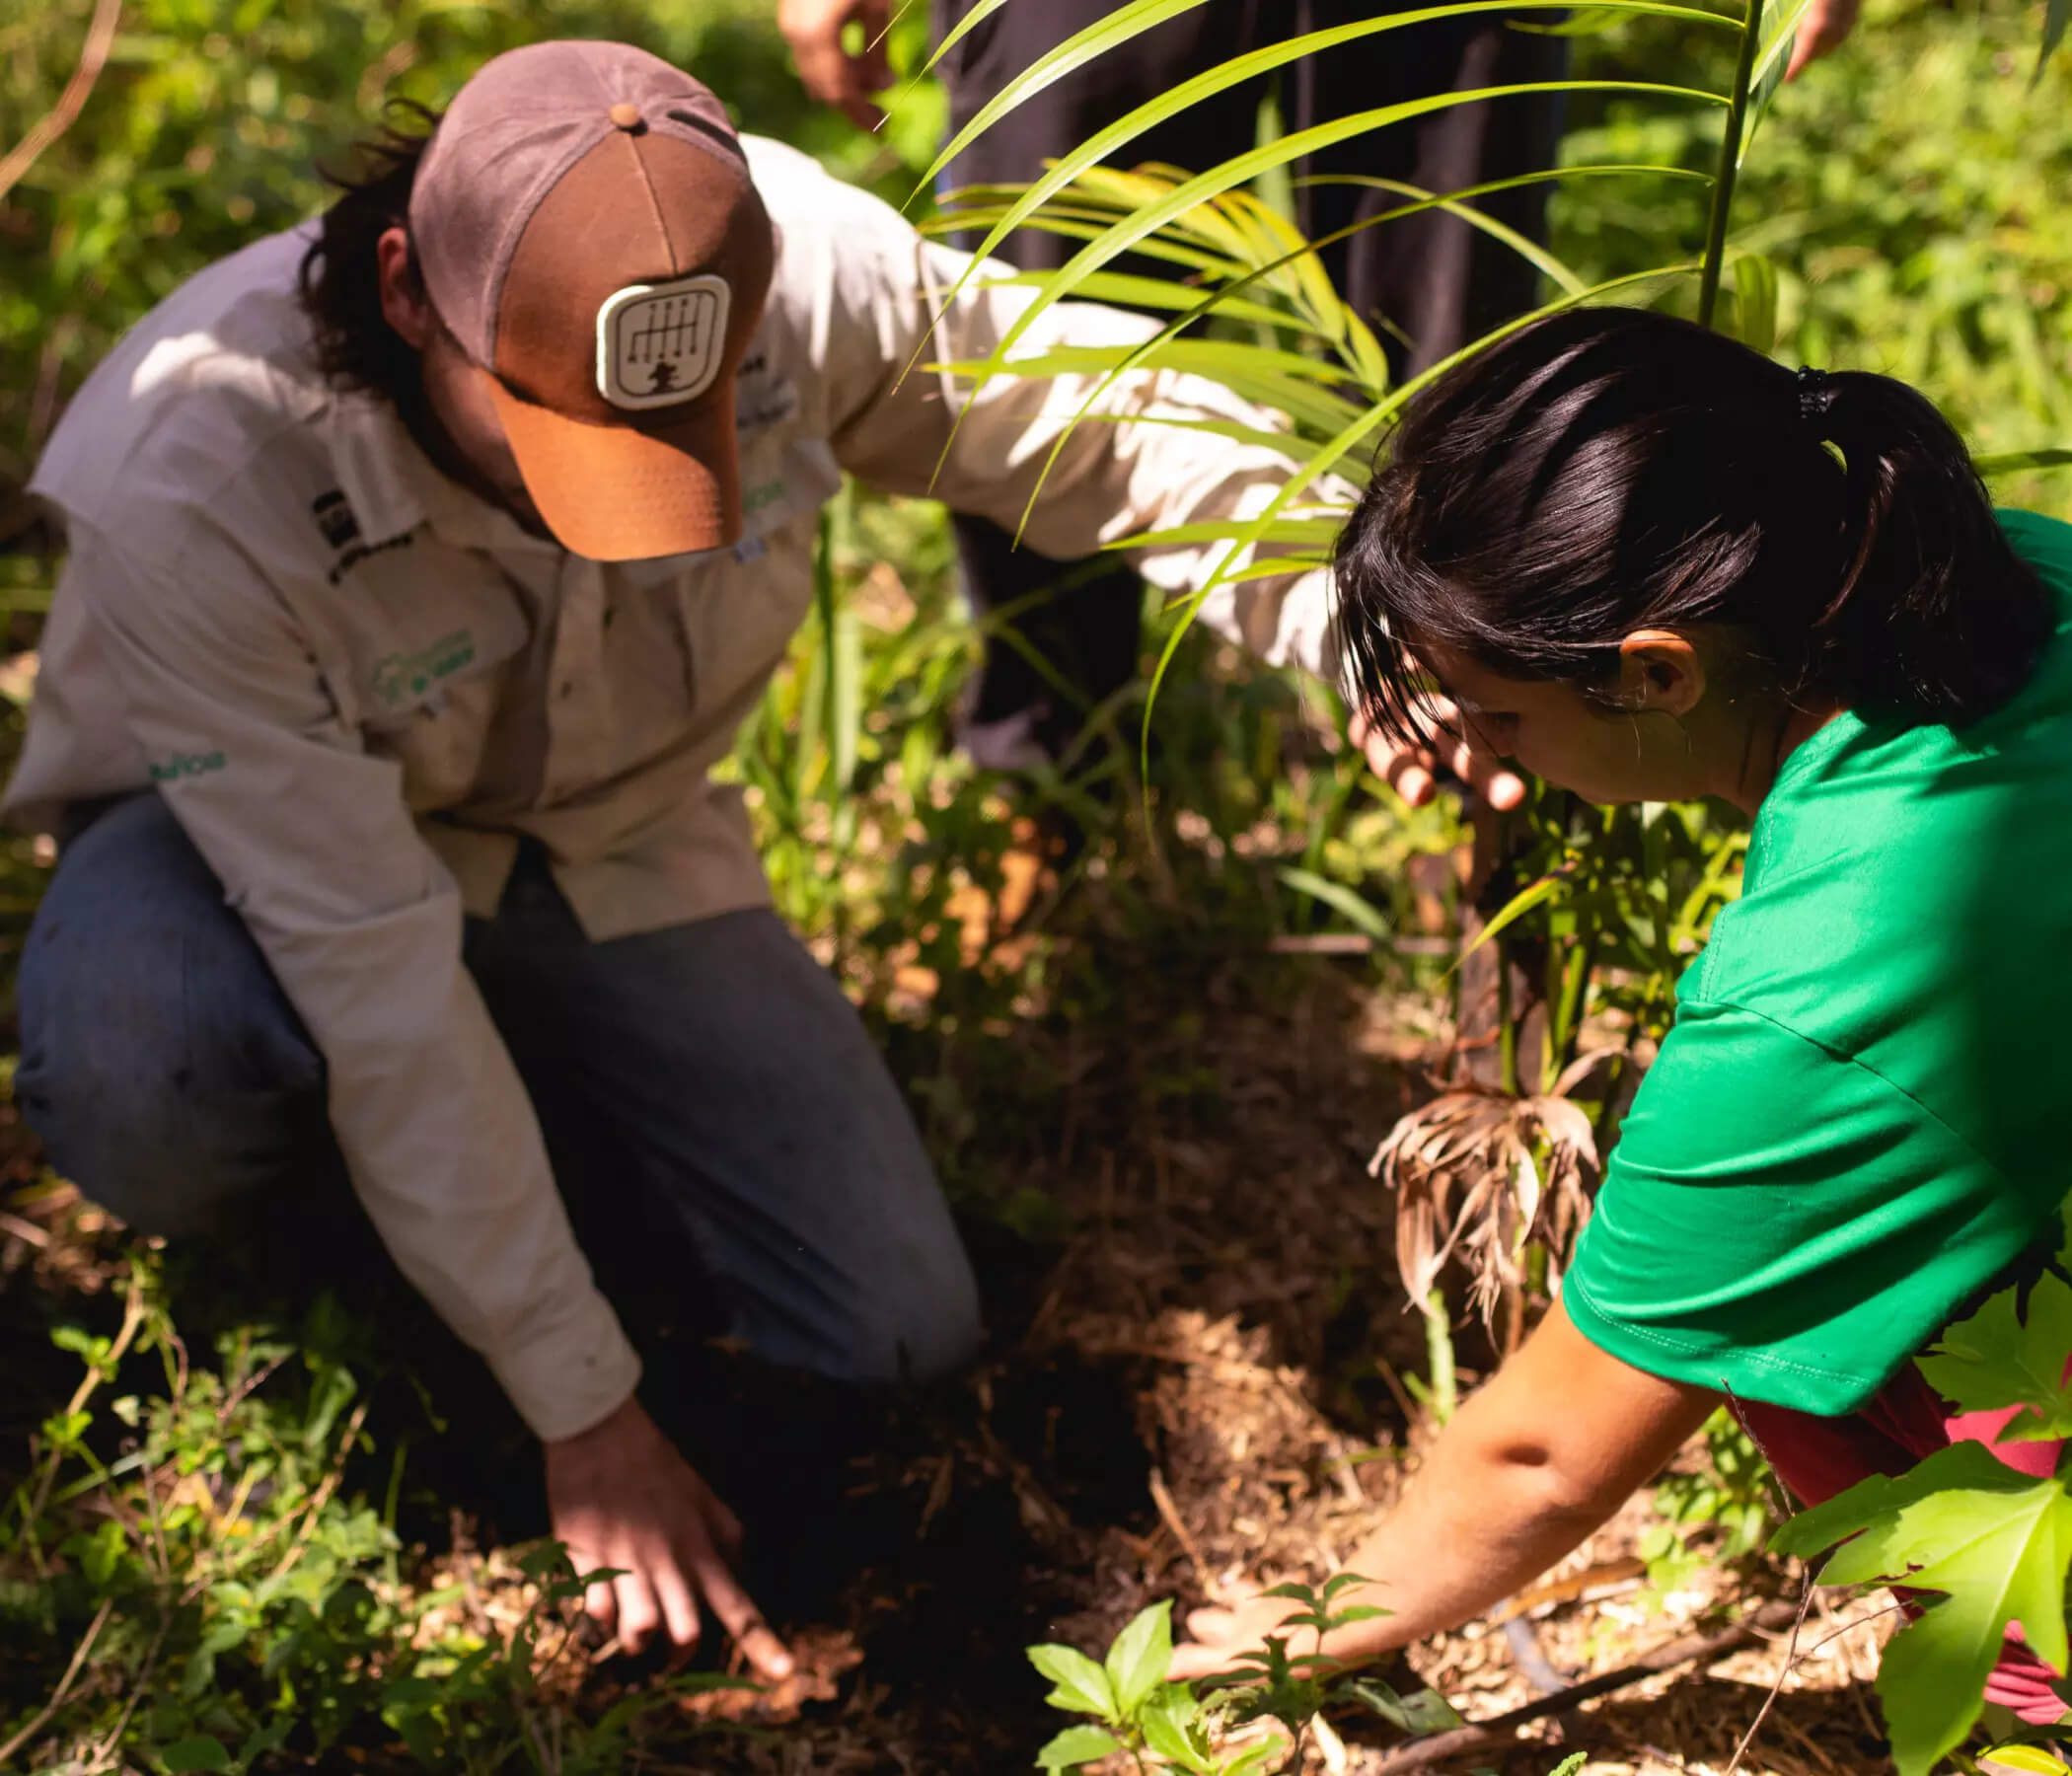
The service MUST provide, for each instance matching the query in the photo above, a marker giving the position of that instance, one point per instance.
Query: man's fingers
(1212, 1623)
(639, 1614)
(731, 1603)
(679, 1606)
(1498, 785)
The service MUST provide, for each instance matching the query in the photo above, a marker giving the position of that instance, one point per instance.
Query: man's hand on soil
(1412, 772)
(813, 28)
(620, 1495)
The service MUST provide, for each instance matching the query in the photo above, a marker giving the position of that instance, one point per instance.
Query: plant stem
(1730, 164)
(1439, 1347)
(1507, 1028)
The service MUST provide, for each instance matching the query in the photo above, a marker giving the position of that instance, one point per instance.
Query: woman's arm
(1529, 1466)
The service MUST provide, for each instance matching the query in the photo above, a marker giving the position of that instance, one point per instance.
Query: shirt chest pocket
(432, 689)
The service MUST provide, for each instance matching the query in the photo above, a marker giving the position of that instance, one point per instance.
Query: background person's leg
(1082, 619)
(1437, 281)
(163, 1067)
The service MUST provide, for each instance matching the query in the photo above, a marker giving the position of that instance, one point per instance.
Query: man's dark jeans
(717, 1117)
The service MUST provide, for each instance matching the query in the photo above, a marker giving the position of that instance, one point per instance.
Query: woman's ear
(404, 304)
(1659, 671)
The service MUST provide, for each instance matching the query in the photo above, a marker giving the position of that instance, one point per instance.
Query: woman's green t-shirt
(1864, 1112)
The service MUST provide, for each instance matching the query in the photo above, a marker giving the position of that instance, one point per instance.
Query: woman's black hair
(340, 281)
(1610, 469)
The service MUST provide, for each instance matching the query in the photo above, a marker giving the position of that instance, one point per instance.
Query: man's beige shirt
(358, 685)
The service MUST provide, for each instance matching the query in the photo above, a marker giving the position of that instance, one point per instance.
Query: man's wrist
(609, 1424)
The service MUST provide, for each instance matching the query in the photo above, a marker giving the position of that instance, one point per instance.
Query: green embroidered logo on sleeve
(176, 765)
(399, 679)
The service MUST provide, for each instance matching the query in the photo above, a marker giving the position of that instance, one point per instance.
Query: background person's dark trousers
(1430, 283)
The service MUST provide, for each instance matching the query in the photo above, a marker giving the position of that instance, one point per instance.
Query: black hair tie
(1815, 393)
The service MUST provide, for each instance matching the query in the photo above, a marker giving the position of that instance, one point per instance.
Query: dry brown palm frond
(1478, 1176)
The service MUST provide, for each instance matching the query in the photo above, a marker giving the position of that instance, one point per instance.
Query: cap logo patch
(658, 345)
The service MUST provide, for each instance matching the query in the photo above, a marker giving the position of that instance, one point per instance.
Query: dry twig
(1495, 1734)
(64, 1685)
(93, 57)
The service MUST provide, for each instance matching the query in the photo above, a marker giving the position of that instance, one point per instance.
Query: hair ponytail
(1935, 617)
(1604, 470)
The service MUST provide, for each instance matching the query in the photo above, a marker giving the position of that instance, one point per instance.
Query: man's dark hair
(1611, 470)
(340, 281)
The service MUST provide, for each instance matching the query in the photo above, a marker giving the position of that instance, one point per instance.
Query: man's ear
(1659, 671)
(404, 304)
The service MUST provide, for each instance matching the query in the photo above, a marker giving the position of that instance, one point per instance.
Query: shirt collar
(393, 487)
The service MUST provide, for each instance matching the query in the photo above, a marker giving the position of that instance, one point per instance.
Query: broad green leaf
(199, 1753)
(1075, 1746)
(1170, 1730)
(1139, 1654)
(1249, 1759)
(1995, 1359)
(2027, 1757)
(1427, 1711)
(1083, 1686)
(1996, 1543)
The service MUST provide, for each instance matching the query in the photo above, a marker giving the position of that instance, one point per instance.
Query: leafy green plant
(228, 1598)
(1214, 1730)
(1995, 1544)
(1719, 1512)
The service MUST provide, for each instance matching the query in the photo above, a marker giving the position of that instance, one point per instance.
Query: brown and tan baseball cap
(589, 234)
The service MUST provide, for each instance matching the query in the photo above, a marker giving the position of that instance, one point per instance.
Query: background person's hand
(813, 28)
(620, 1495)
(1826, 23)
(1412, 772)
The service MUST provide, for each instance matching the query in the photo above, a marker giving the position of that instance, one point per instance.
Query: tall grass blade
(1362, 914)
(2057, 16)
(1527, 249)
(1775, 55)
(1236, 72)
(1243, 167)
(1245, 536)
(2008, 462)
(1098, 39)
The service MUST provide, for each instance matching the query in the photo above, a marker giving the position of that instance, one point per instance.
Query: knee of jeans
(165, 1100)
(921, 1323)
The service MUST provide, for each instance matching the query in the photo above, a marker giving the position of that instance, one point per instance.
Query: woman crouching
(1648, 564)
